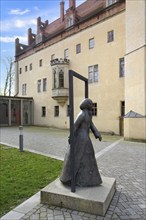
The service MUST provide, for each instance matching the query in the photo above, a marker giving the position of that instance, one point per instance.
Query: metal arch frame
(71, 107)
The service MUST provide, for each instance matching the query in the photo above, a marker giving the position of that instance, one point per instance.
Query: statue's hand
(100, 138)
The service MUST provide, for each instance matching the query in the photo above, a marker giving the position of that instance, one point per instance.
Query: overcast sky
(19, 15)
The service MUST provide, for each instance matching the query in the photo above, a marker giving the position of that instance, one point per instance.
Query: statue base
(94, 200)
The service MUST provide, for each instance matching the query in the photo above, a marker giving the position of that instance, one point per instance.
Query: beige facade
(135, 58)
(109, 90)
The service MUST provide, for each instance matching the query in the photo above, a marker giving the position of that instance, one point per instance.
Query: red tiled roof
(82, 10)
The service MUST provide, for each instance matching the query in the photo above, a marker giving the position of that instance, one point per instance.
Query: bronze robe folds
(86, 169)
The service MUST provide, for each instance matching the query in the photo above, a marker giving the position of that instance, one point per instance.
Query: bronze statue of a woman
(86, 169)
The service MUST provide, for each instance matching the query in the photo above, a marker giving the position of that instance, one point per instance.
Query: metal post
(21, 138)
(86, 89)
(71, 104)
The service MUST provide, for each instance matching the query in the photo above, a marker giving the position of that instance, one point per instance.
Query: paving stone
(124, 163)
(43, 214)
(74, 212)
(59, 217)
(76, 217)
(57, 212)
(126, 217)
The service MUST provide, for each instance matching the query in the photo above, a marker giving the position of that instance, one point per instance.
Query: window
(93, 74)
(121, 67)
(39, 86)
(41, 62)
(24, 87)
(52, 56)
(122, 108)
(25, 68)
(91, 43)
(96, 73)
(110, 36)
(66, 53)
(44, 84)
(61, 79)
(69, 21)
(20, 70)
(110, 2)
(90, 74)
(56, 111)
(30, 66)
(43, 111)
(68, 111)
(55, 79)
(78, 48)
(94, 109)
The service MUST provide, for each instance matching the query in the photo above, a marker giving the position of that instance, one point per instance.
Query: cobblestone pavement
(126, 162)
(46, 140)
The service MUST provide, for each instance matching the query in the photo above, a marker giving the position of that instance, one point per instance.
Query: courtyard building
(102, 40)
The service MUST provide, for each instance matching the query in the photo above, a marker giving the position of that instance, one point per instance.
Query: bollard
(21, 138)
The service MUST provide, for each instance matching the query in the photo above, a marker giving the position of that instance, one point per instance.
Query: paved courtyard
(125, 161)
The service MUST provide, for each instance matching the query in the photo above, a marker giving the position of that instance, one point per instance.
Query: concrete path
(125, 161)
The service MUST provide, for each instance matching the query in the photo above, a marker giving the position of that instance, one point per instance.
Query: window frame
(91, 43)
(30, 66)
(26, 68)
(93, 76)
(110, 36)
(66, 53)
(121, 67)
(61, 79)
(94, 109)
(20, 70)
(54, 79)
(40, 62)
(43, 111)
(68, 111)
(44, 84)
(24, 89)
(110, 2)
(39, 85)
(90, 74)
(122, 105)
(56, 111)
(78, 48)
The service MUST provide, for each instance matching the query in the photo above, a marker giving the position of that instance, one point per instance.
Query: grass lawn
(22, 174)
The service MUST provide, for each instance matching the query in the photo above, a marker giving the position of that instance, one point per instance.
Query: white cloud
(11, 25)
(36, 8)
(8, 39)
(19, 23)
(18, 11)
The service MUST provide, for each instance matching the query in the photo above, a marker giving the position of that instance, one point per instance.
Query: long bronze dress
(86, 169)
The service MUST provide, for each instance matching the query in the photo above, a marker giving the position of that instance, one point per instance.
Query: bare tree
(9, 81)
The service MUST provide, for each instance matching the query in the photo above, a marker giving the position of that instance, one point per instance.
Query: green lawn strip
(22, 174)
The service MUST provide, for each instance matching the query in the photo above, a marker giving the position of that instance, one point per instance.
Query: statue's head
(86, 104)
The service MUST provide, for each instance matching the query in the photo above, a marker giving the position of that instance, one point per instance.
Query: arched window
(55, 79)
(61, 79)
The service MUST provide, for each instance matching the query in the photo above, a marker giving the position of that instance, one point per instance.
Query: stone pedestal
(94, 200)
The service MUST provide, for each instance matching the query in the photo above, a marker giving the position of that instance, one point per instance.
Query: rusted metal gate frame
(71, 106)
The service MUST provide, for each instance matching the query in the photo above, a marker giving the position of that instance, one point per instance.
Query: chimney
(29, 36)
(72, 4)
(38, 24)
(16, 46)
(62, 10)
